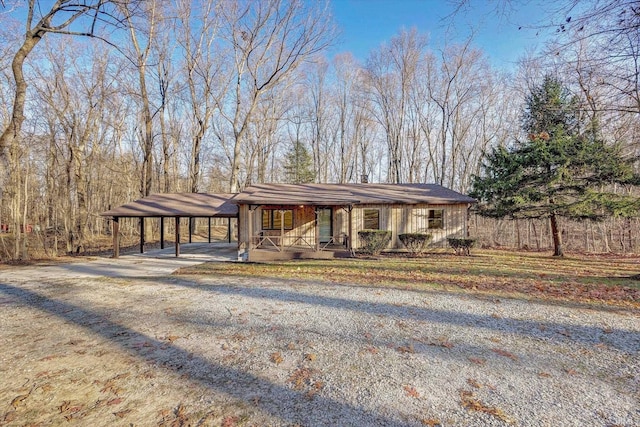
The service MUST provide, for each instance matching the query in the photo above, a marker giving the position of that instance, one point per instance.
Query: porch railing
(262, 240)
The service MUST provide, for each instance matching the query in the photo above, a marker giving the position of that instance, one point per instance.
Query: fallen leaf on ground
(276, 358)
(122, 414)
(406, 349)
(372, 350)
(229, 421)
(411, 391)
(17, 401)
(442, 342)
(505, 353)
(471, 403)
(315, 388)
(473, 383)
(300, 377)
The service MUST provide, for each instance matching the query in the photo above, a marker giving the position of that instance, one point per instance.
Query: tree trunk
(557, 237)
(195, 156)
(11, 133)
(10, 138)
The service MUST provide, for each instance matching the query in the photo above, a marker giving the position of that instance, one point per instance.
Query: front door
(325, 224)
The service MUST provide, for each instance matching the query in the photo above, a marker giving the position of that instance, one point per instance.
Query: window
(371, 219)
(436, 219)
(272, 219)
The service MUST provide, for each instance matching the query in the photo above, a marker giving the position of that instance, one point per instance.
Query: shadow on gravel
(290, 406)
(624, 340)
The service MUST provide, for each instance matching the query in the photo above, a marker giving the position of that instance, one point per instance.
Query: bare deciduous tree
(391, 71)
(270, 39)
(203, 71)
(142, 23)
(59, 18)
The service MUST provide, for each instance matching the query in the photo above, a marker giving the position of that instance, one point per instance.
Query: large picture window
(272, 219)
(371, 219)
(436, 219)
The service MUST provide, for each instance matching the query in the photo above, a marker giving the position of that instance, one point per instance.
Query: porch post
(161, 232)
(229, 230)
(350, 234)
(190, 225)
(141, 234)
(250, 229)
(116, 236)
(281, 230)
(209, 229)
(317, 227)
(177, 236)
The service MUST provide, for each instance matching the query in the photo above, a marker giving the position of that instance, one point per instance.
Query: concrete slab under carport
(153, 263)
(200, 251)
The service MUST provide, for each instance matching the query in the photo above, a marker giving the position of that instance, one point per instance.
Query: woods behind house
(104, 103)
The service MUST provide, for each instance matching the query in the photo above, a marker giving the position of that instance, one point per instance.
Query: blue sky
(365, 24)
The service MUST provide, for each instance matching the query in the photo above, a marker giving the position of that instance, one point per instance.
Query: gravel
(249, 351)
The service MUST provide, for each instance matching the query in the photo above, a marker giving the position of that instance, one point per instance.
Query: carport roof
(178, 204)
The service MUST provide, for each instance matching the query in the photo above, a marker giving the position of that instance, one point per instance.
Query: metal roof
(341, 194)
(226, 205)
(178, 204)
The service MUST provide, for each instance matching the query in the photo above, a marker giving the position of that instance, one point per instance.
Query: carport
(177, 206)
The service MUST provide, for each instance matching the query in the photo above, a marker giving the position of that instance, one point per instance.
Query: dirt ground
(160, 350)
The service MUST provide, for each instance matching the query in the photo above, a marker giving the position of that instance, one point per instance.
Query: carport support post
(161, 232)
(190, 225)
(229, 230)
(141, 234)
(116, 236)
(177, 236)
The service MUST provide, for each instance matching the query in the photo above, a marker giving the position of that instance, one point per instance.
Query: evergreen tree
(298, 165)
(559, 171)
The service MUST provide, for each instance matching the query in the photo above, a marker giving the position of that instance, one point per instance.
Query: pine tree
(559, 171)
(298, 166)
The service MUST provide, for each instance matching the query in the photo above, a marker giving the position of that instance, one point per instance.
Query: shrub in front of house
(416, 243)
(374, 241)
(461, 246)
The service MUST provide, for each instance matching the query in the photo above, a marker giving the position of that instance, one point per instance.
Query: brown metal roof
(341, 194)
(178, 204)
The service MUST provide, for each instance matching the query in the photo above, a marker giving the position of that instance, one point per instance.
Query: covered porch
(286, 221)
(284, 231)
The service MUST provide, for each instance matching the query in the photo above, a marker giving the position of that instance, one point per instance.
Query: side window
(272, 219)
(436, 219)
(371, 219)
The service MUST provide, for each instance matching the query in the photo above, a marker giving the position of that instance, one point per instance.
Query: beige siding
(413, 219)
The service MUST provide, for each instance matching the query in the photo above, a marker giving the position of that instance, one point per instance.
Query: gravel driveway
(177, 350)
